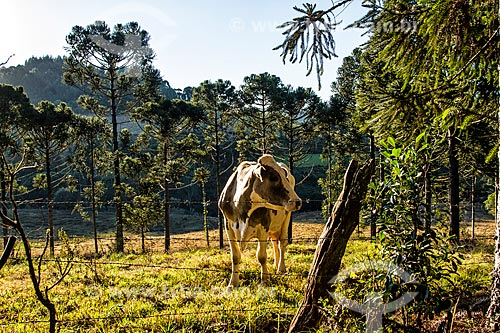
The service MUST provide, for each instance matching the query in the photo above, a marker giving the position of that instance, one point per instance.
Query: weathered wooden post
(332, 244)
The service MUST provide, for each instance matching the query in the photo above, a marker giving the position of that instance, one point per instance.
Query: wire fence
(197, 241)
(285, 310)
(90, 320)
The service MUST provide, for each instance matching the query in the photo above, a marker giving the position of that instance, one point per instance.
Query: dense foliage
(421, 97)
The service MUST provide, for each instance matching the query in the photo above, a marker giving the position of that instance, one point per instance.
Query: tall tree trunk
(381, 176)
(330, 172)
(205, 213)
(493, 313)
(291, 166)
(143, 243)
(93, 196)
(428, 198)
(263, 124)
(50, 208)
(166, 201)
(3, 197)
(473, 206)
(373, 218)
(290, 228)
(332, 244)
(218, 158)
(116, 166)
(166, 212)
(454, 190)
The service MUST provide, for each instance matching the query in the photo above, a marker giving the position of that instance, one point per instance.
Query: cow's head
(274, 186)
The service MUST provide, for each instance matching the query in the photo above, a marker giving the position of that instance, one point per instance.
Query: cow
(256, 203)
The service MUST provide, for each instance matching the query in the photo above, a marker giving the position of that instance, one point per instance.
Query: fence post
(332, 244)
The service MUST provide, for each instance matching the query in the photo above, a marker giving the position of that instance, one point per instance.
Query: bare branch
(6, 61)
(63, 273)
(42, 255)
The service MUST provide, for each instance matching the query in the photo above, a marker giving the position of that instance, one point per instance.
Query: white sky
(194, 40)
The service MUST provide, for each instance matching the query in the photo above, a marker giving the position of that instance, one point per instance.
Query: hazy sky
(193, 40)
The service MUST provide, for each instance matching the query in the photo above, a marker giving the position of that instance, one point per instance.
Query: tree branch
(6, 61)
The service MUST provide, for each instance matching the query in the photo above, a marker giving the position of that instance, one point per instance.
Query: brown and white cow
(257, 202)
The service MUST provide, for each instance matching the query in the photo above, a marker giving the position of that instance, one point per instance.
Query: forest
(99, 132)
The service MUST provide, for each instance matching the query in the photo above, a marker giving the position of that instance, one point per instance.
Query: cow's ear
(258, 172)
(286, 172)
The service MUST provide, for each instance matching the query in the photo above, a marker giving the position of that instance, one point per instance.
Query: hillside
(41, 78)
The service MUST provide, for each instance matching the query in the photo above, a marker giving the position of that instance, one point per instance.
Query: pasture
(185, 290)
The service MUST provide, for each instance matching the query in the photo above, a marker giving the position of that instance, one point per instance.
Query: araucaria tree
(298, 108)
(13, 103)
(114, 66)
(435, 66)
(259, 116)
(336, 124)
(169, 123)
(218, 99)
(14, 162)
(49, 131)
(91, 160)
(144, 206)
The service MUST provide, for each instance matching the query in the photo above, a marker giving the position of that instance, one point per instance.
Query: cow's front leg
(235, 260)
(283, 242)
(262, 257)
(281, 268)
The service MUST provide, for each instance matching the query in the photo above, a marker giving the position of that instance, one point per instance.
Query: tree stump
(332, 244)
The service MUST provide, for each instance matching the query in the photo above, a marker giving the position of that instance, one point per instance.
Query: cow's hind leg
(235, 259)
(262, 255)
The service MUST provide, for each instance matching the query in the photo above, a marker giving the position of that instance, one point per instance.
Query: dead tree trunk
(332, 244)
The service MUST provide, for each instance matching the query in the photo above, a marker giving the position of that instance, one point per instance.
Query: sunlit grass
(185, 290)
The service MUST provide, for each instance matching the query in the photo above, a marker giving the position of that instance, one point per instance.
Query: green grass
(142, 293)
(185, 290)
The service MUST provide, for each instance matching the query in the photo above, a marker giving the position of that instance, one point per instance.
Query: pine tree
(13, 104)
(169, 123)
(257, 128)
(298, 108)
(435, 69)
(50, 127)
(90, 158)
(114, 66)
(219, 100)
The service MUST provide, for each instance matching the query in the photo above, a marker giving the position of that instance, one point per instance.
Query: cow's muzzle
(293, 205)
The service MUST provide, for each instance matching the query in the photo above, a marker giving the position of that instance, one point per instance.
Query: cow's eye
(273, 178)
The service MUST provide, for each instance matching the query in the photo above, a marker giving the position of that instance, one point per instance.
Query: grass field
(185, 290)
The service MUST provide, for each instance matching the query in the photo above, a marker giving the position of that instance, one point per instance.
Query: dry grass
(115, 285)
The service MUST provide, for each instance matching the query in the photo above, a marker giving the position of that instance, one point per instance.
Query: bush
(428, 255)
